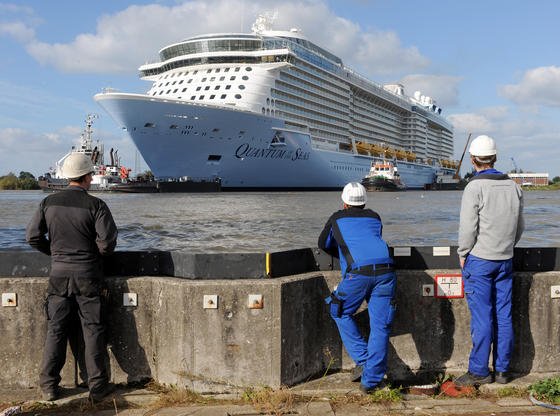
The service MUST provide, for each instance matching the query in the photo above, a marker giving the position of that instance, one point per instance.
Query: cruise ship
(273, 110)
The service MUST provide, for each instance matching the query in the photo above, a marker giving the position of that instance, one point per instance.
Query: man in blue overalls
(490, 225)
(353, 234)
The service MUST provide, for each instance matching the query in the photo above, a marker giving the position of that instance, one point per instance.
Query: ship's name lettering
(245, 150)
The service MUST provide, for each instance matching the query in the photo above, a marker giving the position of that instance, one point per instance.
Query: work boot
(502, 377)
(97, 396)
(51, 395)
(368, 390)
(470, 379)
(356, 374)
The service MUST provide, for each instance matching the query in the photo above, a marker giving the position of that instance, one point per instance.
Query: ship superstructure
(273, 110)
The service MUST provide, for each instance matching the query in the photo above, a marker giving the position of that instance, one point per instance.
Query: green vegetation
(547, 390)
(24, 181)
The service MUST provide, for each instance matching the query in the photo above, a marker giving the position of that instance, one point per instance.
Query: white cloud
(126, 39)
(532, 142)
(442, 88)
(18, 30)
(539, 87)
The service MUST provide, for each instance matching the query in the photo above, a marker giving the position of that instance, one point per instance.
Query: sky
(493, 66)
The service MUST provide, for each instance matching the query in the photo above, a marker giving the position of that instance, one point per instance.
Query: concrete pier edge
(218, 322)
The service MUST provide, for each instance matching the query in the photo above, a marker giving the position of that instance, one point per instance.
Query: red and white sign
(449, 286)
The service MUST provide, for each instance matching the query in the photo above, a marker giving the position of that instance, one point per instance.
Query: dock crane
(457, 174)
(515, 169)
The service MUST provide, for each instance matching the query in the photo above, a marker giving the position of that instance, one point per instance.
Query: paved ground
(331, 395)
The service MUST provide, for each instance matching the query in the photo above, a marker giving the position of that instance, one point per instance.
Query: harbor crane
(515, 169)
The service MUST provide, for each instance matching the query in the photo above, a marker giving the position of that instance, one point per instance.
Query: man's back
(80, 229)
(491, 217)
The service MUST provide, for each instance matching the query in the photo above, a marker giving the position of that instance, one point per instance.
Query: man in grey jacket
(76, 230)
(491, 223)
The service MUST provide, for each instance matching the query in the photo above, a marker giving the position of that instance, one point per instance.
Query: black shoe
(469, 379)
(52, 395)
(368, 390)
(502, 377)
(97, 396)
(356, 374)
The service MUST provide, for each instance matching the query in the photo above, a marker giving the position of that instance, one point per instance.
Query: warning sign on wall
(448, 286)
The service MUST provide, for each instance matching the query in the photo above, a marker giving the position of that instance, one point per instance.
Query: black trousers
(83, 298)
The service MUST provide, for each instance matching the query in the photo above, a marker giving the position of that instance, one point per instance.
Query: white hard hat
(483, 146)
(354, 194)
(76, 165)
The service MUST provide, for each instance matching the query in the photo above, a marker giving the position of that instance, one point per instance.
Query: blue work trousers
(379, 292)
(488, 286)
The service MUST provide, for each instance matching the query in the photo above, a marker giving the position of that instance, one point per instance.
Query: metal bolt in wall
(9, 299)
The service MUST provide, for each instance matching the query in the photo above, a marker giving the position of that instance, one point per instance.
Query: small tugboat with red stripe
(383, 176)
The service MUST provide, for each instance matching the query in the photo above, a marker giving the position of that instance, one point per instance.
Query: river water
(263, 221)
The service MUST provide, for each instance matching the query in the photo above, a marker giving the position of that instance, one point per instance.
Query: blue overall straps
(488, 287)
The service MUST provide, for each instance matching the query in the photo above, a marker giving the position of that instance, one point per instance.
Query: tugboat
(383, 176)
(105, 177)
(114, 177)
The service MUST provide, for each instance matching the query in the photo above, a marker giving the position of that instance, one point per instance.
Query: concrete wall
(171, 338)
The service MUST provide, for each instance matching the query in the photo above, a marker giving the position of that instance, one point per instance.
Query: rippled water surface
(261, 221)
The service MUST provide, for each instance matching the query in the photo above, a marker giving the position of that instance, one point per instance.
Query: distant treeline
(25, 180)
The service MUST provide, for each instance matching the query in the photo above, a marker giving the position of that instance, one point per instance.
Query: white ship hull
(178, 139)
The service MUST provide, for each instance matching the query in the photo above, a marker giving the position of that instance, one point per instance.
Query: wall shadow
(122, 335)
(524, 346)
(429, 321)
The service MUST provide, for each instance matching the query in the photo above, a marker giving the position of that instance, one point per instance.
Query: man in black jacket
(76, 230)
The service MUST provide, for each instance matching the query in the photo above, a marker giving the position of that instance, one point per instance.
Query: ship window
(184, 89)
(272, 102)
(217, 87)
(193, 97)
(195, 72)
(226, 69)
(215, 130)
(248, 69)
(267, 110)
(179, 74)
(263, 110)
(203, 79)
(237, 69)
(244, 77)
(201, 97)
(160, 84)
(242, 87)
(168, 91)
(212, 96)
(212, 79)
(228, 87)
(166, 84)
(223, 96)
(222, 78)
(180, 82)
(214, 157)
(161, 92)
(165, 77)
(238, 96)
(149, 125)
(268, 101)
(198, 88)
(232, 78)
(173, 126)
(207, 88)
(209, 71)
(172, 75)
(189, 81)
(174, 82)
(217, 70)
(154, 93)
